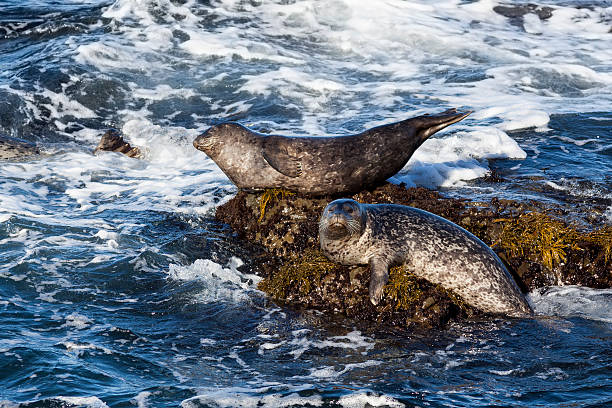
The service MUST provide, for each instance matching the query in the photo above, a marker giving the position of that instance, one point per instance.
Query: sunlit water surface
(118, 288)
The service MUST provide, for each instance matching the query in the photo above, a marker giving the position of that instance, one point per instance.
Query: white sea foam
(162, 92)
(573, 301)
(141, 400)
(294, 84)
(350, 37)
(503, 372)
(354, 340)
(160, 184)
(221, 283)
(360, 71)
(80, 348)
(78, 321)
(250, 398)
(368, 399)
(82, 402)
(331, 372)
(451, 160)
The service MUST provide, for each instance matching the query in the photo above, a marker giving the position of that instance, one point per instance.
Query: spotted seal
(319, 165)
(384, 235)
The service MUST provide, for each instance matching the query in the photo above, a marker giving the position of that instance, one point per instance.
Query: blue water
(117, 286)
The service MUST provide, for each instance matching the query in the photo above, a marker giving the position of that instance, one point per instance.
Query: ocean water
(117, 286)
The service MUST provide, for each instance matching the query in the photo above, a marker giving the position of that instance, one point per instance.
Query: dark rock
(538, 249)
(519, 11)
(12, 148)
(112, 141)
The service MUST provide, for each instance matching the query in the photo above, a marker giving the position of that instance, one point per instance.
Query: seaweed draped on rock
(282, 228)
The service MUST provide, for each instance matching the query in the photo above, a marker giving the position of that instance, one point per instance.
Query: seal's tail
(427, 125)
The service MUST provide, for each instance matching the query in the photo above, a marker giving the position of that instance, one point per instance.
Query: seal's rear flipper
(427, 125)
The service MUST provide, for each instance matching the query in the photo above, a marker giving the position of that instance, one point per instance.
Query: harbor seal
(318, 166)
(12, 148)
(384, 235)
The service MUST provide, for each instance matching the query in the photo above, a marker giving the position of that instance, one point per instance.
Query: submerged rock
(538, 249)
(12, 148)
(517, 11)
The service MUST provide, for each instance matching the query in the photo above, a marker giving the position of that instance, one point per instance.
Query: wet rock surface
(518, 11)
(112, 141)
(538, 247)
(12, 148)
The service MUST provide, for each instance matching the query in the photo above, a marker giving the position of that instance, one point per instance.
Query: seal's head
(211, 141)
(342, 219)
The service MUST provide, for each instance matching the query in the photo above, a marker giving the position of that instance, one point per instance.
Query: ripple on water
(117, 287)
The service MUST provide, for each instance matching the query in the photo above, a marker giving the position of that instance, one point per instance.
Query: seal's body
(12, 148)
(318, 165)
(384, 235)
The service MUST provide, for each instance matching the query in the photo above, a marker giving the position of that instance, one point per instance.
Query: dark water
(118, 288)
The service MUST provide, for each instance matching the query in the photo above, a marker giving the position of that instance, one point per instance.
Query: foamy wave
(171, 181)
(361, 72)
(244, 397)
(296, 85)
(78, 321)
(573, 301)
(81, 348)
(349, 37)
(142, 399)
(452, 160)
(369, 399)
(82, 402)
(331, 372)
(221, 283)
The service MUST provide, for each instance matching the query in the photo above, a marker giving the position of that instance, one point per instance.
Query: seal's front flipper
(427, 125)
(282, 157)
(379, 276)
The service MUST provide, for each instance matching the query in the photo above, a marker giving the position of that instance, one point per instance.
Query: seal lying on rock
(384, 235)
(112, 141)
(318, 165)
(12, 148)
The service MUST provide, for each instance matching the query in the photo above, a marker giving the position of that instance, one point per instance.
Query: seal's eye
(349, 209)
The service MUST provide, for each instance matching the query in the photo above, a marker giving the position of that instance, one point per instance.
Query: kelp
(270, 196)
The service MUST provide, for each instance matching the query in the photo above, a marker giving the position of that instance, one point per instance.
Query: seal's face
(342, 219)
(208, 141)
(211, 141)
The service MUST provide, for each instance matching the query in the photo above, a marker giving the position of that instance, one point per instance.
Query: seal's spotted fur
(318, 165)
(384, 235)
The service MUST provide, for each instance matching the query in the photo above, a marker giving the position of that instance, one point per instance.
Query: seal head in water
(431, 247)
(318, 165)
